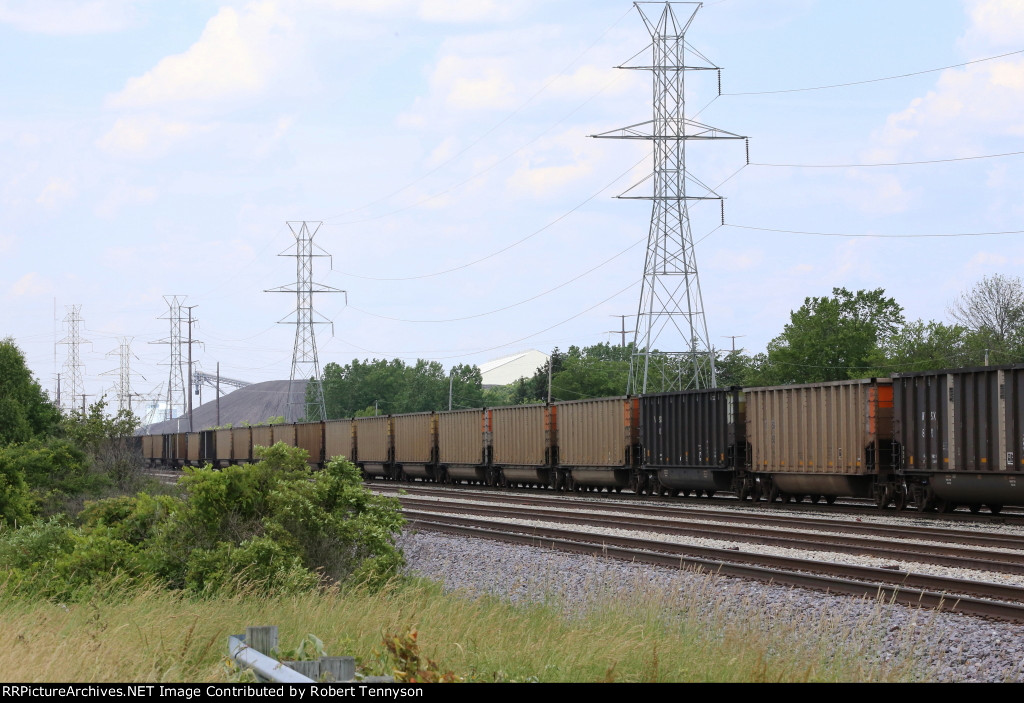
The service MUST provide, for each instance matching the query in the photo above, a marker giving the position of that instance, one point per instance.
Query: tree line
(828, 338)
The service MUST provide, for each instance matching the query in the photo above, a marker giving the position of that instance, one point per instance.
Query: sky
(150, 149)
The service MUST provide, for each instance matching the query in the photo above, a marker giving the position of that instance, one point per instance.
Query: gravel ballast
(943, 646)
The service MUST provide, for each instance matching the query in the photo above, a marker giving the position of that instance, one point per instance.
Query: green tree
(597, 371)
(467, 387)
(382, 387)
(25, 409)
(832, 338)
(738, 369)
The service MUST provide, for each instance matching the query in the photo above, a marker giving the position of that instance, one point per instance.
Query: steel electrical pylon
(124, 374)
(73, 365)
(176, 377)
(672, 349)
(305, 364)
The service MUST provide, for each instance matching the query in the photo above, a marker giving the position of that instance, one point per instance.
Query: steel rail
(908, 588)
(750, 518)
(956, 557)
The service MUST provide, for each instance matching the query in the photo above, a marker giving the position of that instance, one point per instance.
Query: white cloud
(239, 55)
(30, 284)
(554, 163)
(462, 11)
(67, 17)
(146, 136)
(442, 152)
(57, 191)
(967, 104)
(477, 83)
(589, 80)
(123, 195)
(995, 23)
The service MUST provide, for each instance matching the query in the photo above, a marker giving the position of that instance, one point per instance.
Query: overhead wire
(894, 163)
(476, 174)
(493, 128)
(876, 236)
(506, 248)
(512, 305)
(878, 80)
(464, 353)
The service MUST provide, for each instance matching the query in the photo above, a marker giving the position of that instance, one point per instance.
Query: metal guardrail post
(264, 667)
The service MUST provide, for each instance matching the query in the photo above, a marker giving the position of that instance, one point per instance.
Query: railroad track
(979, 598)
(843, 506)
(956, 556)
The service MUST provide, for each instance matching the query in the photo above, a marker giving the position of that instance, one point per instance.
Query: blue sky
(150, 149)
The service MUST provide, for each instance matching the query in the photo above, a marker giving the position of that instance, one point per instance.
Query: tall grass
(638, 634)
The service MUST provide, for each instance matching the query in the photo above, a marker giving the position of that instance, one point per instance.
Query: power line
(878, 80)
(465, 353)
(504, 249)
(893, 163)
(495, 126)
(513, 305)
(476, 174)
(877, 236)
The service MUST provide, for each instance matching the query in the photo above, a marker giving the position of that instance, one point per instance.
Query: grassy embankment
(155, 636)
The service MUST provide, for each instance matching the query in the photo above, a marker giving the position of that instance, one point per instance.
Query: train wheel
(920, 499)
(674, 492)
(974, 508)
(830, 499)
(618, 489)
(773, 494)
(744, 492)
(686, 493)
(815, 499)
(900, 499)
(995, 509)
(710, 494)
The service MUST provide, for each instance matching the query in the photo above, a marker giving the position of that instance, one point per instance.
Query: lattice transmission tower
(124, 374)
(672, 349)
(176, 393)
(73, 365)
(306, 401)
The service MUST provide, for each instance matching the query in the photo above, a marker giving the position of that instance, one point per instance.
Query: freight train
(932, 440)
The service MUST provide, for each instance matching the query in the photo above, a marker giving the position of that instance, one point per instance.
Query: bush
(274, 526)
(55, 470)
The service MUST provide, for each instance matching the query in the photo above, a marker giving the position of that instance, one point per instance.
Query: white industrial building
(509, 369)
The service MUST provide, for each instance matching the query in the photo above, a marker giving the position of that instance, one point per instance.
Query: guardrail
(251, 651)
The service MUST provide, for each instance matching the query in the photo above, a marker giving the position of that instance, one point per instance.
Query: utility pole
(623, 330)
(305, 364)
(451, 378)
(733, 338)
(191, 321)
(671, 329)
(218, 394)
(549, 380)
